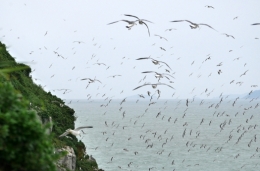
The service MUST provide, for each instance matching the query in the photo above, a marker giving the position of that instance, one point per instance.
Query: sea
(171, 135)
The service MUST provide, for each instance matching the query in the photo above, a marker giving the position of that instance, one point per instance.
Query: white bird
(194, 25)
(153, 85)
(155, 62)
(75, 131)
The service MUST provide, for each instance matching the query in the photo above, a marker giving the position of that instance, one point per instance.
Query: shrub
(24, 144)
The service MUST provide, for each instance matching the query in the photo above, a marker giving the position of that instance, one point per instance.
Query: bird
(228, 35)
(140, 21)
(194, 25)
(209, 6)
(160, 37)
(91, 80)
(156, 62)
(114, 76)
(100, 64)
(159, 75)
(75, 131)
(153, 85)
(78, 42)
(170, 29)
(255, 24)
(131, 23)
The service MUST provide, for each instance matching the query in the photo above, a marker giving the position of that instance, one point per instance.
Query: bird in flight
(255, 24)
(75, 131)
(159, 75)
(100, 64)
(153, 85)
(91, 80)
(228, 35)
(194, 25)
(170, 29)
(140, 21)
(155, 62)
(78, 42)
(160, 37)
(131, 23)
(114, 76)
(209, 6)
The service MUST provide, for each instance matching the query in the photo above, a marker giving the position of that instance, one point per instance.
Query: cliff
(43, 103)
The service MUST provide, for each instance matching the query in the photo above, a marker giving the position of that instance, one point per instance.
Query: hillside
(46, 105)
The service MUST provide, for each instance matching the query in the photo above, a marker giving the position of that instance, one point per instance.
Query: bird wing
(147, 28)
(132, 16)
(148, 72)
(143, 58)
(64, 134)
(85, 78)
(99, 81)
(207, 25)
(182, 21)
(82, 127)
(141, 86)
(168, 75)
(146, 20)
(114, 22)
(166, 64)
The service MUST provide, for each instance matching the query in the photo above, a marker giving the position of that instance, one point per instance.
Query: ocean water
(169, 135)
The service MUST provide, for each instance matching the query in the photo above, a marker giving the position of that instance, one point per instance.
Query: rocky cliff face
(68, 161)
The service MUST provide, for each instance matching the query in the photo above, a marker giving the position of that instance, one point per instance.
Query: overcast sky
(34, 30)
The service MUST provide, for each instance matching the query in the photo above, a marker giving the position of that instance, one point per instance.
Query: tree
(24, 143)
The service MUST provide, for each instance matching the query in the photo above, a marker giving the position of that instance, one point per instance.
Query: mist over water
(200, 136)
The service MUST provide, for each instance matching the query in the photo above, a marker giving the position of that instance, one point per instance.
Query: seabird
(155, 62)
(160, 37)
(75, 131)
(91, 80)
(131, 23)
(194, 25)
(153, 85)
(141, 21)
(159, 75)
(209, 6)
(229, 35)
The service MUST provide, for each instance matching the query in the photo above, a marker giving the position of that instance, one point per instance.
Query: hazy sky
(24, 25)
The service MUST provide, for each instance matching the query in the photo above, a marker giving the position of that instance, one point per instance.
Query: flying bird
(255, 24)
(170, 29)
(209, 6)
(141, 21)
(229, 35)
(159, 75)
(114, 76)
(131, 23)
(153, 85)
(194, 25)
(160, 37)
(154, 61)
(91, 80)
(75, 131)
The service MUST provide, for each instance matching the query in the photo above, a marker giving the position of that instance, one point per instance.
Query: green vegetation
(45, 105)
(22, 137)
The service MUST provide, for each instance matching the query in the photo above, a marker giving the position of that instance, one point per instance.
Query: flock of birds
(190, 135)
(190, 132)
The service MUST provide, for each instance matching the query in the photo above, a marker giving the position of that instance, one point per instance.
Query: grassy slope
(46, 105)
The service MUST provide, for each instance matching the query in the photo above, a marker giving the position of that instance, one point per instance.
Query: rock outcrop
(68, 161)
